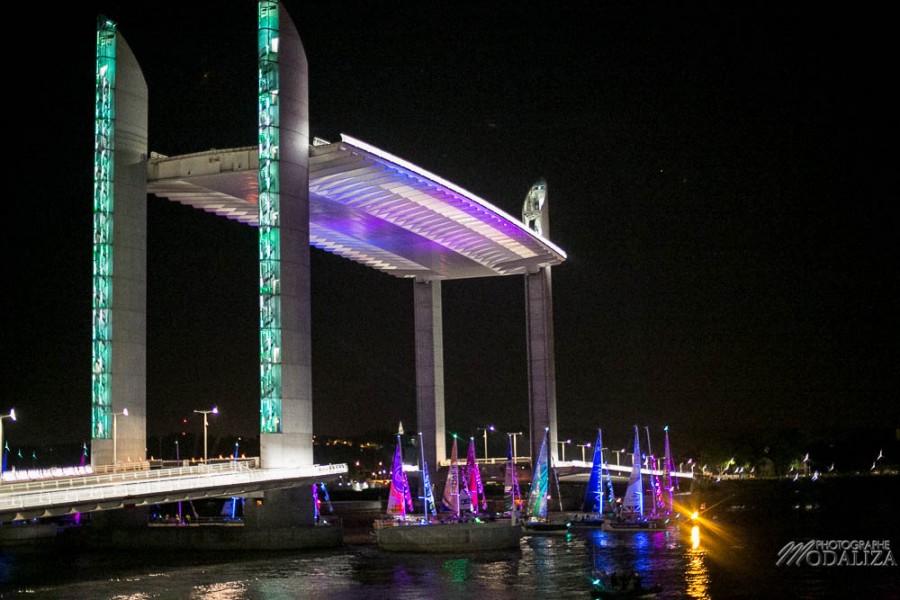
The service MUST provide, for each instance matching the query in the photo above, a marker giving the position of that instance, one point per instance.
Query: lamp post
(617, 453)
(583, 446)
(562, 449)
(12, 416)
(206, 413)
(124, 413)
(485, 430)
(514, 435)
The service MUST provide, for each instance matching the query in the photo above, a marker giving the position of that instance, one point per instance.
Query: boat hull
(653, 592)
(635, 526)
(545, 528)
(449, 537)
(590, 523)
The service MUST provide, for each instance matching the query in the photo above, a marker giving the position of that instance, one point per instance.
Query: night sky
(717, 176)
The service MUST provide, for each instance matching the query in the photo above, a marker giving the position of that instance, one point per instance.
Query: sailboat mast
(424, 482)
(669, 468)
(654, 478)
(556, 478)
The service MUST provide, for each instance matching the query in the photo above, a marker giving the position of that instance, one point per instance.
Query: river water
(740, 535)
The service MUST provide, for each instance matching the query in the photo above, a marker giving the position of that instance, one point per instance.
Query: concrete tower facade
(539, 330)
(286, 397)
(119, 305)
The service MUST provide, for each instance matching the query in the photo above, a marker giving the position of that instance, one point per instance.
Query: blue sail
(429, 494)
(593, 495)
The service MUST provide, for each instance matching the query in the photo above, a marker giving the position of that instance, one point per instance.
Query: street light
(124, 413)
(12, 416)
(583, 446)
(617, 453)
(562, 447)
(485, 430)
(514, 434)
(206, 413)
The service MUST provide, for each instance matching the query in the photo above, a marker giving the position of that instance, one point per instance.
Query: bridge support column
(430, 371)
(289, 443)
(280, 508)
(119, 369)
(541, 360)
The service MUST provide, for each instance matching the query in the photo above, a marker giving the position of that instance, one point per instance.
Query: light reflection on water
(543, 567)
(723, 558)
(696, 573)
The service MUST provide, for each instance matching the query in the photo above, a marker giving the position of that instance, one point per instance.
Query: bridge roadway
(140, 485)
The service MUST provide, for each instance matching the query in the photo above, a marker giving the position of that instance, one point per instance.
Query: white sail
(451, 488)
(633, 502)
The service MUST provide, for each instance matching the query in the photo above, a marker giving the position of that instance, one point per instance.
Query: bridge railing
(117, 490)
(110, 474)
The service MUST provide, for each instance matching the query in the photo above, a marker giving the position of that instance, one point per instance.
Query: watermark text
(837, 553)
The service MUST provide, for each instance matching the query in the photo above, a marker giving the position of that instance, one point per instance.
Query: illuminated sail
(593, 495)
(511, 493)
(537, 495)
(633, 502)
(427, 492)
(667, 477)
(655, 487)
(472, 481)
(451, 488)
(399, 497)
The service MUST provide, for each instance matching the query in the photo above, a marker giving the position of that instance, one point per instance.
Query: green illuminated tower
(284, 296)
(118, 361)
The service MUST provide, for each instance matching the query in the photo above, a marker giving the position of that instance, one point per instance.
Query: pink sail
(472, 480)
(399, 496)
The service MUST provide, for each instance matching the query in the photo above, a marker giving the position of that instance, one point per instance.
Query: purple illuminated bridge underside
(370, 207)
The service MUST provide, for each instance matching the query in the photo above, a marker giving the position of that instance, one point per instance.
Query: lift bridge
(76, 491)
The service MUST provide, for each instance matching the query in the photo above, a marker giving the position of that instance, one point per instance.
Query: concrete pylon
(119, 355)
(430, 371)
(293, 444)
(539, 330)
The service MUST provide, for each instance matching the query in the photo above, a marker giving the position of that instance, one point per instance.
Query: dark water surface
(740, 534)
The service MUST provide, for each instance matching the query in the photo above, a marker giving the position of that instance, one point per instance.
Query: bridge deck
(70, 495)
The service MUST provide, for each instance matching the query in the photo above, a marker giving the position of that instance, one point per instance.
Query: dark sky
(717, 176)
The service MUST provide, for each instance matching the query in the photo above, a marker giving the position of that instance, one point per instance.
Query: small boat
(587, 522)
(621, 585)
(536, 519)
(636, 525)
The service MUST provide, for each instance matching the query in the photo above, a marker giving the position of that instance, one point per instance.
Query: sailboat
(599, 499)
(512, 498)
(454, 534)
(538, 496)
(669, 482)
(450, 500)
(631, 515)
(475, 498)
(399, 496)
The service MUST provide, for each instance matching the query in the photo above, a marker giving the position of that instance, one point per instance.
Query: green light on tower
(269, 209)
(104, 136)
